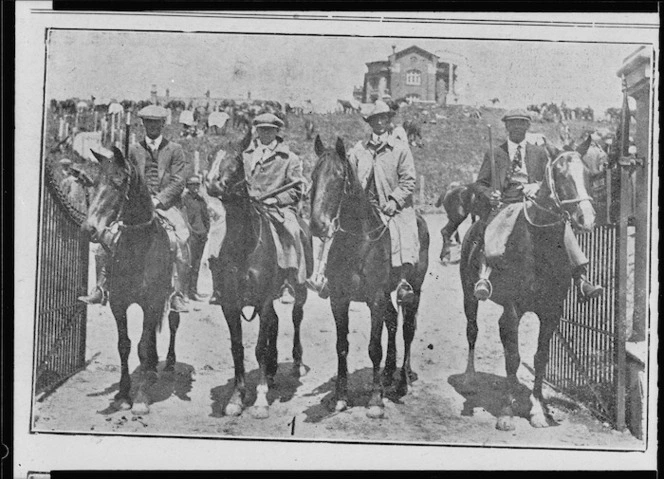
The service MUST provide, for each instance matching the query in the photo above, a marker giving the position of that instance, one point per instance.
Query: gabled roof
(379, 62)
(416, 49)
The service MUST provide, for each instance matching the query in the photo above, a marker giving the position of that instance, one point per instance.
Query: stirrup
(483, 289)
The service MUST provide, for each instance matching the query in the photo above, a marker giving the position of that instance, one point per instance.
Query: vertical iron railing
(587, 353)
(62, 277)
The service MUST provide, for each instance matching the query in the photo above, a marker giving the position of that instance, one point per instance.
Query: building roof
(416, 49)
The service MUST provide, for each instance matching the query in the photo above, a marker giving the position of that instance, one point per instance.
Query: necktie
(517, 160)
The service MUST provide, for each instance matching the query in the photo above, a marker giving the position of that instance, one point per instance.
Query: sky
(292, 68)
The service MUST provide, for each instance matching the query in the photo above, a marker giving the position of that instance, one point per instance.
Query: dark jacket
(535, 159)
(195, 210)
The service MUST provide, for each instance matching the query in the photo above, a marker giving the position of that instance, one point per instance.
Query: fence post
(422, 185)
(61, 129)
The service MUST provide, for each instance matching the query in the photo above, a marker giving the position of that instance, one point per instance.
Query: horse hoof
(140, 408)
(341, 406)
(375, 412)
(121, 405)
(233, 410)
(505, 423)
(260, 412)
(538, 421)
(299, 371)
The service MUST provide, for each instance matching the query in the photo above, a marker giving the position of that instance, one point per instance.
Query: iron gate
(62, 277)
(587, 358)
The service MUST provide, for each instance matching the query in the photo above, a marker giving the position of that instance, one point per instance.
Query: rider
(268, 165)
(162, 164)
(386, 171)
(520, 168)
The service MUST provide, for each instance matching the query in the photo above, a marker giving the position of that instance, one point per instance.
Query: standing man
(520, 168)
(386, 171)
(162, 165)
(269, 164)
(195, 209)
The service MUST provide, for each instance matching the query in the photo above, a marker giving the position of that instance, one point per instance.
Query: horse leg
(447, 241)
(391, 317)
(122, 401)
(298, 314)
(509, 336)
(470, 306)
(378, 310)
(340, 312)
(266, 357)
(409, 326)
(173, 324)
(147, 353)
(548, 325)
(236, 401)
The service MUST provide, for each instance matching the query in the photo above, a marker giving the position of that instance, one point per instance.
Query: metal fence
(62, 277)
(587, 358)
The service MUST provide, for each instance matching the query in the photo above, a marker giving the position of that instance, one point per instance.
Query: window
(413, 77)
(412, 97)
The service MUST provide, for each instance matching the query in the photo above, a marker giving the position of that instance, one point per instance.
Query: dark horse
(359, 268)
(248, 276)
(460, 201)
(140, 268)
(534, 275)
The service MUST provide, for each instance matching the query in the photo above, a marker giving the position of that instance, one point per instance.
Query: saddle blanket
(498, 231)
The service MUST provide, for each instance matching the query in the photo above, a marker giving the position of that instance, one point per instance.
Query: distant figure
(71, 188)
(309, 128)
(195, 210)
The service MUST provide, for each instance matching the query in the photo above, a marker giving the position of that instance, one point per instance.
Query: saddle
(169, 227)
(498, 231)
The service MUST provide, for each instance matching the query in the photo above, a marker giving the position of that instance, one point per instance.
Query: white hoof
(341, 406)
(538, 421)
(140, 408)
(122, 405)
(260, 412)
(233, 409)
(375, 412)
(505, 423)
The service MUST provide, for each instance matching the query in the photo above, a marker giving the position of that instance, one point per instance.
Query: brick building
(414, 74)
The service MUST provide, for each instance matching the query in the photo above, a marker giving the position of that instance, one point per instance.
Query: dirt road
(191, 400)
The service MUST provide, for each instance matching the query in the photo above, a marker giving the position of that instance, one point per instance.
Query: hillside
(454, 141)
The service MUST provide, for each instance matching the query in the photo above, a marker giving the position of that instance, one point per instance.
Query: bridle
(563, 215)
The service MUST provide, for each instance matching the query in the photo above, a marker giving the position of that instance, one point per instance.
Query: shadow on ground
(286, 382)
(176, 383)
(359, 393)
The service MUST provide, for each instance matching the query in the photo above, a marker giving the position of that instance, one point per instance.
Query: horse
(359, 268)
(247, 275)
(414, 132)
(459, 201)
(139, 270)
(347, 106)
(533, 275)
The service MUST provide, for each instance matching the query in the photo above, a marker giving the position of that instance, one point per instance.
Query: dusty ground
(191, 400)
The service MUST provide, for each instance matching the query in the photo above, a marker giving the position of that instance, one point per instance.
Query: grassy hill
(454, 141)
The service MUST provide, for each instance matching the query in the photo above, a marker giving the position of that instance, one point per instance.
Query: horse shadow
(359, 393)
(177, 382)
(282, 388)
(487, 391)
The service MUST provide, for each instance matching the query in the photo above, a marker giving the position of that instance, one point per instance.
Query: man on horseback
(162, 164)
(520, 169)
(386, 171)
(270, 165)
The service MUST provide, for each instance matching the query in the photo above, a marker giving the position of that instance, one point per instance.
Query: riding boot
(99, 295)
(586, 290)
(405, 293)
(483, 287)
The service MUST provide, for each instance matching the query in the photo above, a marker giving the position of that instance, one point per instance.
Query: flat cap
(65, 162)
(379, 108)
(153, 112)
(518, 114)
(268, 120)
(193, 180)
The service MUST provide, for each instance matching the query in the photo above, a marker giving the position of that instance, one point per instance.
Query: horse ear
(319, 148)
(341, 149)
(100, 158)
(118, 157)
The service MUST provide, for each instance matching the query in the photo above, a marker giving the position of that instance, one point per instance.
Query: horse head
(226, 173)
(567, 180)
(110, 193)
(329, 182)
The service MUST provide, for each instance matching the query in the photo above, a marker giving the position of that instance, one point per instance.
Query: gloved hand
(530, 190)
(495, 198)
(156, 203)
(270, 201)
(390, 208)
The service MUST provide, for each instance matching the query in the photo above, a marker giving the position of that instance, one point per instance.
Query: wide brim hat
(193, 180)
(378, 108)
(268, 120)
(518, 114)
(153, 112)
